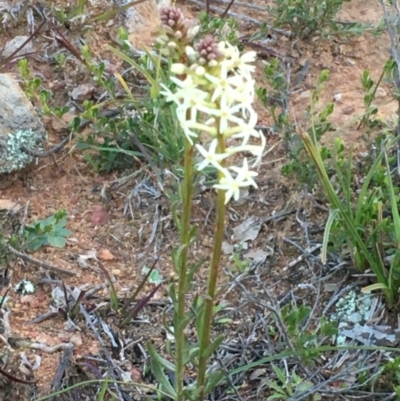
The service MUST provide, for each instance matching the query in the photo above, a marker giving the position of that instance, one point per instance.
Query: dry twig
(36, 262)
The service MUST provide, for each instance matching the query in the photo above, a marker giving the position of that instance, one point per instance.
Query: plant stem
(212, 283)
(187, 190)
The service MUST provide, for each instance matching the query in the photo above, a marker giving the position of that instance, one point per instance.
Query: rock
(142, 21)
(100, 216)
(19, 126)
(83, 92)
(248, 230)
(105, 255)
(348, 110)
(12, 45)
(227, 248)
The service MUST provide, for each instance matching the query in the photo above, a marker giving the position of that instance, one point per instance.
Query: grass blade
(332, 216)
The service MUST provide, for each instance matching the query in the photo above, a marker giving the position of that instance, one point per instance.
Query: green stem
(187, 190)
(212, 283)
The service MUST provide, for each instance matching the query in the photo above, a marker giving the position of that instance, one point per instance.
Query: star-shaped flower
(211, 156)
(244, 175)
(225, 112)
(255, 150)
(194, 100)
(223, 83)
(231, 185)
(247, 129)
(185, 125)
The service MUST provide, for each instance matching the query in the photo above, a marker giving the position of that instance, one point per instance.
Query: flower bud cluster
(177, 31)
(214, 95)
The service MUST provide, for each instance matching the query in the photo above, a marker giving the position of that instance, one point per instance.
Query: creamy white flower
(229, 52)
(244, 174)
(244, 94)
(239, 63)
(223, 83)
(219, 102)
(225, 113)
(185, 125)
(255, 150)
(244, 63)
(247, 130)
(231, 186)
(188, 82)
(189, 98)
(210, 156)
(170, 96)
(193, 100)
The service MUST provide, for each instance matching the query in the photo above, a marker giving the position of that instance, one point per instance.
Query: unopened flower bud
(178, 68)
(191, 53)
(170, 16)
(200, 71)
(208, 49)
(193, 31)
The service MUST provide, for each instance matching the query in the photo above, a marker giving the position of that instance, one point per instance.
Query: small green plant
(123, 130)
(221, 28)
(390, 373)
(50, 231)
(307, 17)
(275, 96)
(372, 240)
(287, 385)
(302, 337)
(65, 15)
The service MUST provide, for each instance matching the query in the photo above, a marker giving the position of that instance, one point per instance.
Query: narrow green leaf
(213, 346)
(279, 373)
(157, 363)
(213, 380)
(191, 271)
(132, 62)
(393, 201)
(103, 390)
(275, 386)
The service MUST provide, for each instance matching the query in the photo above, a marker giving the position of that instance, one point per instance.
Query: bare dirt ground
(123, 243)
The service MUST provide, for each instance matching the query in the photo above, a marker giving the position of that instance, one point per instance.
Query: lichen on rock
(12, 157)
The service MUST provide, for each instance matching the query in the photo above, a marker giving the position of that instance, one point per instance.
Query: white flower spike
(215, 99)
